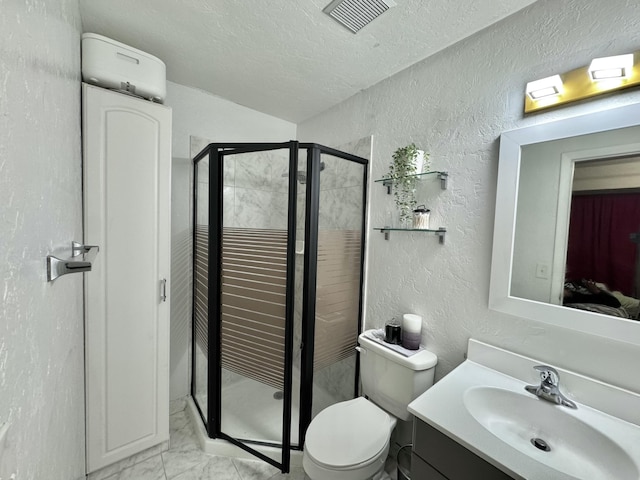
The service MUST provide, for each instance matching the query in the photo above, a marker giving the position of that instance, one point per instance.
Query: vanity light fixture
(545, 87)
(603, 75)
(606, 68)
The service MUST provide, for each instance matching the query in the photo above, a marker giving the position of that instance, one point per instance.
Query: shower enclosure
(277, 300)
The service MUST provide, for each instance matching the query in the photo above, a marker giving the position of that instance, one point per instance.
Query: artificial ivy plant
(402, 174)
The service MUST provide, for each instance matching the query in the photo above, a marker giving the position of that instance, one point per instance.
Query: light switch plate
(542, 270)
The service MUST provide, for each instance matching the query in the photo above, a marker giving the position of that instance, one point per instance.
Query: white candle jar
(411, 331)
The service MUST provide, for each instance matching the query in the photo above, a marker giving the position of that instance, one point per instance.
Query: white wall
(608, 174)
(536, 220)
(455, 105)
(41, 332)
(198, 113)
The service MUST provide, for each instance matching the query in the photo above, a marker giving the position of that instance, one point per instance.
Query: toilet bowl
(350, 440)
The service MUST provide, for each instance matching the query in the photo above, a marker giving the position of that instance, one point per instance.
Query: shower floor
(251, 411)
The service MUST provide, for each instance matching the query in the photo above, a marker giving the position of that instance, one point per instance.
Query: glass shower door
(338, 279)
(200, 340)
(334, 257)
(255, 214)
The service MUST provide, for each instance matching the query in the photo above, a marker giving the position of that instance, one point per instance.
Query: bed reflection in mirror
(577, 223)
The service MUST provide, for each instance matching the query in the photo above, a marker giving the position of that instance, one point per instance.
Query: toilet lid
(348, 433)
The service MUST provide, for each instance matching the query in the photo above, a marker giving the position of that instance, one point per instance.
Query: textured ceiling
(286, 57)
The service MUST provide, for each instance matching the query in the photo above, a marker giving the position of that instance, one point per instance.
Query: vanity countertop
(609, 413)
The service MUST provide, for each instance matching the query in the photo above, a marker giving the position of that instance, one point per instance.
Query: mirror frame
(500, 299)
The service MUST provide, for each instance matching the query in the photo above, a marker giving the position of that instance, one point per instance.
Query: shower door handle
(163, 290)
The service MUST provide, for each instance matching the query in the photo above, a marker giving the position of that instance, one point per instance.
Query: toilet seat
(348, 435)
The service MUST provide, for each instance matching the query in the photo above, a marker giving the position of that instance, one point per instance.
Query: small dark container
(393, 334)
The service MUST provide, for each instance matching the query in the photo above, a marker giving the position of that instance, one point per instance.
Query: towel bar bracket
(57, 267)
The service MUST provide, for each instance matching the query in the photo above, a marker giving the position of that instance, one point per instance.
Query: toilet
(350, 440)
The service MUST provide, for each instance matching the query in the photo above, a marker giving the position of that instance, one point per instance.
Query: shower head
(302, 175)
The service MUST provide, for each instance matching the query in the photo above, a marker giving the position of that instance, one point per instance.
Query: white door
(127, 181)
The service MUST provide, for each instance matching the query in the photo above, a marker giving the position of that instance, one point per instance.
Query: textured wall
(41, 332)
(239, 48)
(455, 104)
(204, 115)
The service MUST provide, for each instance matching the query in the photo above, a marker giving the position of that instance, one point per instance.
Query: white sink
(483, 405)
(564, 441)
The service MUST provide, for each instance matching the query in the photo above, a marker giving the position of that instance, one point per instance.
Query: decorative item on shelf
(393, 332)
(421, 218)
(411, 331)
(407, 162)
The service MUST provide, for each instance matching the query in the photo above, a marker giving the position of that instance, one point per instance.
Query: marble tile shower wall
(255, 190)
(340, 195)
(259, 196)
(256, 186)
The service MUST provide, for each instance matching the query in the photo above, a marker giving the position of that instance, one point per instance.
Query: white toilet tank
(391, 380)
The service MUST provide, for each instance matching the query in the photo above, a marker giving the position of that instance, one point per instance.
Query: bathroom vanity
(480, 422)
(436, 456)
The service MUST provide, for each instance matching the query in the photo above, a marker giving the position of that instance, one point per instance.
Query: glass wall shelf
(443, 176)
(440, 232)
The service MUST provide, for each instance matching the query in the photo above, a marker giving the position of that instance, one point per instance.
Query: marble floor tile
(151, 469)
(181, 433)
(254, 469)
(296, 473)
(177, 461)
(184, 451)
(217, 468)
(177, 405)
(109, 471)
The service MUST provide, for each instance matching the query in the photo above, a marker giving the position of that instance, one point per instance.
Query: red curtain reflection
(599, 245)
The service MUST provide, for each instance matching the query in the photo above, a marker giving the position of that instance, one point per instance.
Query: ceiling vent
(355, 14)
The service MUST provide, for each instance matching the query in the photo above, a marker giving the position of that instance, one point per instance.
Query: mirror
(577, 206)
(546, 177)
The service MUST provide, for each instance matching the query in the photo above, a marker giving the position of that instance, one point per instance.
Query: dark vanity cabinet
(437, 457)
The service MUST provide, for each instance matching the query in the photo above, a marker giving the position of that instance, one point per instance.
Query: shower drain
(540, 444)
(278, 395)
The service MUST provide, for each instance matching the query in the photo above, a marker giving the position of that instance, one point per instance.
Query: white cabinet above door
(127, 212)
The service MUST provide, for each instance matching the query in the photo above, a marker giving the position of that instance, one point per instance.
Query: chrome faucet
(549, 387)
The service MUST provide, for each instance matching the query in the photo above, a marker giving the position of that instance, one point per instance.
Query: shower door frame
(216, 153)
